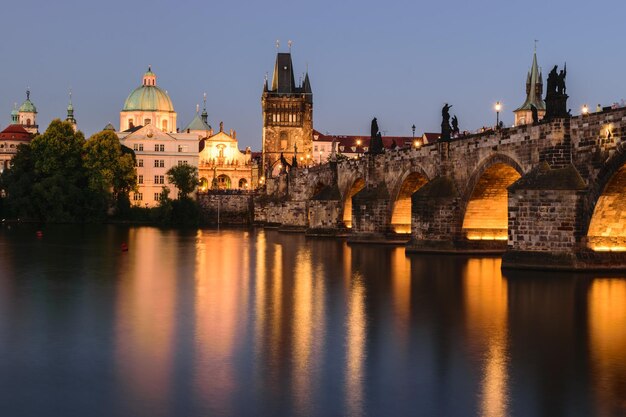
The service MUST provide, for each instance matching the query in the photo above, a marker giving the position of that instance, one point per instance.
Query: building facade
(26, 116)
(223, 166)
(287, 116)
(534, 91)
(10, 138)
(156, 152)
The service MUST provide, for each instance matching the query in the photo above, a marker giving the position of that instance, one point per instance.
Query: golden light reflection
(607, 333)
(486, 303)
(607, 230)
(401, 289)
(221, 303)
(145, 316)
(486, 214)
(355, 355)
(308, 329)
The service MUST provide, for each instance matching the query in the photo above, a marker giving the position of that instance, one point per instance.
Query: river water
(257, 323)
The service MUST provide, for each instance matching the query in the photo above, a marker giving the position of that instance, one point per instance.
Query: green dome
(148, 98)
(28, 107)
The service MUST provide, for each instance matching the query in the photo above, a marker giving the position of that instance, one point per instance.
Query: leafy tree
(47, 179)
(184, 177)
(110, 168)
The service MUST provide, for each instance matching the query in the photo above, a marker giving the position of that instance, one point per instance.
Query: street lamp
(413, 130)
(358, 144)
(585, 110)
(498, 108)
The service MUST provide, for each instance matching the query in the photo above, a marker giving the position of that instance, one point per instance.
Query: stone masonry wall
(226, 208)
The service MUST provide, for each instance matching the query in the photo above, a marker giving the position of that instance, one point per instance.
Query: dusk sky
(399, 61)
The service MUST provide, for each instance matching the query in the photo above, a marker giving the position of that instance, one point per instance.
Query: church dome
(28, 106)
(148, 97)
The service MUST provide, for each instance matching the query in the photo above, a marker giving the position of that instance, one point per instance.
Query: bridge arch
(484, 203)
(605, 218)
(400, 199)
(355, 186)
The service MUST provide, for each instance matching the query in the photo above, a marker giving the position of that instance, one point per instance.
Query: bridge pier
(324, 213)
(547, 224)
(370, 216)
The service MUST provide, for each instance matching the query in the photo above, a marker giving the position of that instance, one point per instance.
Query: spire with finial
(289, 43)
(149, 78)
(534, 92)
(15, 115)
(70, 112)
(27, 93)
(205, 115)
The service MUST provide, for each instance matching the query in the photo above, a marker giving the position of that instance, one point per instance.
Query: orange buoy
(124, 247)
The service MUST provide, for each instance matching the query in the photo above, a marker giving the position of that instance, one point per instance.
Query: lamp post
(498, 107)
(358, 145)
(585, 110)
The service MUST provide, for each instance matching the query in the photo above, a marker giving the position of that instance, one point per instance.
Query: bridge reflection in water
(263, 323)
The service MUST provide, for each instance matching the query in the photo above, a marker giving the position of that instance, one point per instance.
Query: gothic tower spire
(534, 91)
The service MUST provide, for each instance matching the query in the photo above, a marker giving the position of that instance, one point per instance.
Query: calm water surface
(239, 323)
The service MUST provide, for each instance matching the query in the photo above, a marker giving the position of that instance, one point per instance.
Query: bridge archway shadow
(486, 212)
(401, 209)
(357, 186)
(607, 228)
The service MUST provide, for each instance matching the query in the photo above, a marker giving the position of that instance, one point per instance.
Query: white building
(156, 152)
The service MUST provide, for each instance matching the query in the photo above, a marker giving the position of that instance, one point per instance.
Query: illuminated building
(10, 138)
(287, 115)
(222, 165)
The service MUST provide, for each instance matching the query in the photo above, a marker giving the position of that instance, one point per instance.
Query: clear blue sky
(398, 60)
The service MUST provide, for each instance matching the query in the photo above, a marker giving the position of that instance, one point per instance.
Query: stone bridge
(550, 195)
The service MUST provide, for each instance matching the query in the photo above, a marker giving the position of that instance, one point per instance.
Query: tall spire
(534, 86)
(70, 112)
(205, 115)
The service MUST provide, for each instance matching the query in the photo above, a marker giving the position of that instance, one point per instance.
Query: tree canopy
(184, 177)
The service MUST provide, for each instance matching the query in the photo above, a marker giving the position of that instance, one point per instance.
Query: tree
(47, 179)
(184, 177)
(110, 167)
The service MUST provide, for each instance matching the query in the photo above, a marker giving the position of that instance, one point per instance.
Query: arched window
(131, 124)
(284, 142)
(27, 122)
(164, 123)
(243, 183)
(204, 184)
(147, 122)
(223, 182)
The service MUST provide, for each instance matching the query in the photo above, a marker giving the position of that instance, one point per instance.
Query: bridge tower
(287, 115)
(534, 91)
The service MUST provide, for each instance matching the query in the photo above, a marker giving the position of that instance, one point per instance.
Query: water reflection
(607, 333)
(486, 303)
(260, 323)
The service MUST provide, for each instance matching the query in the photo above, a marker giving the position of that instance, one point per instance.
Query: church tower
(287, 116)
(70, 114)
(534, 91)
(28, 115)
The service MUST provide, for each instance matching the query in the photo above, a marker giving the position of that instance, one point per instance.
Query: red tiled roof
(15, 132)
(350, 141)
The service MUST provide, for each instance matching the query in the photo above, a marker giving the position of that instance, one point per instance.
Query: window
(138, 147)
(164, 124)
(137, 196)
(146, 121)
(159, 148)
(315, 149)
(140, 179)
(140, 163)
(159, 179)
(182, 148)
(131, 124)
(157, 196)
(182, 163)
(159, 163)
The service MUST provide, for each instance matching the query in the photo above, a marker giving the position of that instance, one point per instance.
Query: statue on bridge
(376, 140)
(284, 165)
(446, 129)
(556, 97)
(455, 126)
(535, 113)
